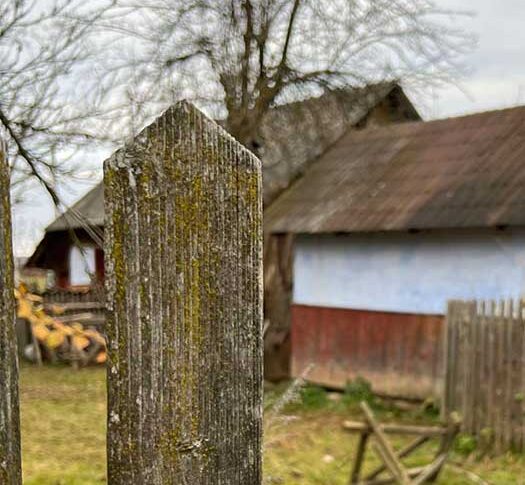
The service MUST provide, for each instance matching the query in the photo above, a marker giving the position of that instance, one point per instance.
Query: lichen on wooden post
(184, 302)
(10, 462)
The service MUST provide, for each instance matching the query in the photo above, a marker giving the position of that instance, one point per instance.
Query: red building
(72, 244)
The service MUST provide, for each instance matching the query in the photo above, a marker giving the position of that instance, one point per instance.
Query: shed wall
(53, 253)
(372, 306)
(399, 354)
(411, 273)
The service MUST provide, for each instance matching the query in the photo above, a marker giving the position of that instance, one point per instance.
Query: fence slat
(448, 362)
(500, 375)
(507, 369)
(491, 398)
(520, 418)
(10, 462)
(466, 354)
(485, 370)
(184, 290)
(477, 318)
(521, 390)
(516, 412)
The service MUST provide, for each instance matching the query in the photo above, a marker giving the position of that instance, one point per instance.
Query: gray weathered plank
(491, 357)
(516, 398)
(384, 449)
(358, 462)
(448, 361)
(521, 388)
(481, 370)
(485, 371)
(393, 428)
(499, 401)
(508, 371)
(10, 462)
(184, 316)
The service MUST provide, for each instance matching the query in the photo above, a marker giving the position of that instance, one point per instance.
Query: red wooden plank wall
(400, 354)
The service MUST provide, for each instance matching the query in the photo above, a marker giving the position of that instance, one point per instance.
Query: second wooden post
(10, 461)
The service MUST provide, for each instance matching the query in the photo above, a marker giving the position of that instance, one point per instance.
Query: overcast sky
(496, 80)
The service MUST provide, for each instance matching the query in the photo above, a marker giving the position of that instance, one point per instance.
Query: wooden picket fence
(485, 371)
(183, 248)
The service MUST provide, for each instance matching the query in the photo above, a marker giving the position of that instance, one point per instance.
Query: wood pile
(57, 334)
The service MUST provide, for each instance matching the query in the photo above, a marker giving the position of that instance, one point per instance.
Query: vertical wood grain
(184, 296)
(485, 371)
(10, 461)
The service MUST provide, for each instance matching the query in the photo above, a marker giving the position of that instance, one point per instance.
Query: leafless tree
(43, 51)
(237, 58)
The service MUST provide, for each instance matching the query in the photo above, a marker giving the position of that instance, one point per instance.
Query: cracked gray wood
(184, 302)
(10, 462)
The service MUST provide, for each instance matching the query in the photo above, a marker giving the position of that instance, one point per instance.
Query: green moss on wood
(184, 254)
(10, 461)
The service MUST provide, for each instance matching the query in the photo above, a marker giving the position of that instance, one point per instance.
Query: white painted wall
(414, 273)
(81, 265)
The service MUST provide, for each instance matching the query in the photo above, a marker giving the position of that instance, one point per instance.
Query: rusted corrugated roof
(291, 135)
(455, 173)
(294, 134)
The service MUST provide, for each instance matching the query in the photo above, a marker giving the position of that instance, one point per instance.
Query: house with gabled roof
(387, 226)
(291, 137)
(72, 243)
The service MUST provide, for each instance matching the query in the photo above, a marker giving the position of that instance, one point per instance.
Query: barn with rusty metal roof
(461, 172)
(390, 224)
(290, 137)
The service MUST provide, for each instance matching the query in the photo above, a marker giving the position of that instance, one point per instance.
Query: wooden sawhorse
(391, 459)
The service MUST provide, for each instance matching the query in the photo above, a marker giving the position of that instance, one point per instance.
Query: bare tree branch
(44, 49)
(244, 56)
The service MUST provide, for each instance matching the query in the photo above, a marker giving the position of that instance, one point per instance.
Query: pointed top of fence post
(183, 246)
(185, 118)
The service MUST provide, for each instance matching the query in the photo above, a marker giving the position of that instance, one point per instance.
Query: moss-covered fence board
(184, 289)
(10, 469)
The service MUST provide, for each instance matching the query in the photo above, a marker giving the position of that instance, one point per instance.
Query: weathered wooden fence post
(184, 288)
(10, 463)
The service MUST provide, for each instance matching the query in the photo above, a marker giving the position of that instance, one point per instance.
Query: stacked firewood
(57, 337)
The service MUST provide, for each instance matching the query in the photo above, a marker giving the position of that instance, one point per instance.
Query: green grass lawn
(63, 441)
(63, 425)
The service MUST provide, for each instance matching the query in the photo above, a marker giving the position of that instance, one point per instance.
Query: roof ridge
(335, 91)
(407, 124)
